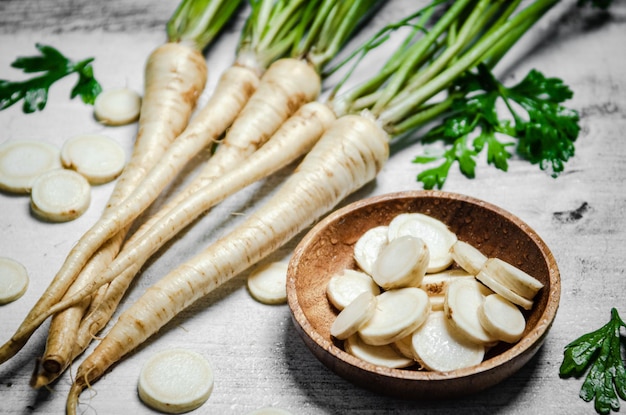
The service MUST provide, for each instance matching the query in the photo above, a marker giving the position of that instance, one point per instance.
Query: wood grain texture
(258, 357)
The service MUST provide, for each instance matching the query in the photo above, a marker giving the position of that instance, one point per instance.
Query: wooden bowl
(328, 249)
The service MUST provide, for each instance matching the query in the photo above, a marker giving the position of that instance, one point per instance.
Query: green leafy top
(442, 70)
(544, 129)
(198, 22)
(600, 352)
(53, 66)
(315, 30)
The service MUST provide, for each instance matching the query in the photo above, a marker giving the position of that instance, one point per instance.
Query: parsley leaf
(600, 351)
(53, 66)
(544, 129)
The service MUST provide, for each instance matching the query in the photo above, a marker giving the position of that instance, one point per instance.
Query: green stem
(415, 53)
(401, 109)
(198, 22)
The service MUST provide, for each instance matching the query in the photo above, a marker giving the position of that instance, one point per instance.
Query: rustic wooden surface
(257, 356)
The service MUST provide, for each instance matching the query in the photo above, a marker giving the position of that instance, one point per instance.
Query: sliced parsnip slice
(97, 157)
(117, 106)
(176, 381)
(368, 247)
(463, 299)
(404, 347)
(402, 263)
(22, 161)
(13, 280)
(343, 288)
(437, 283)
(434, 232)
(268, 283)
(60, 195)
(513, 278)
(468, 257)
(438, 347)
(496, 286)
(352, 318)
(501, 318)
(398, 313)
(384, 355)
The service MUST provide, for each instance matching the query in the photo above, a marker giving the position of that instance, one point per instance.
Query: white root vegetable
(117, 106)
(175, 76)
(60, 195)
(175, 381)
(21, 162)
(468, 257)
(402, 263)
(501, 318)
(498, 287)
(512, 277)
(404, 347)
(344, 287)
(385, 355)
(349, 154)
(234, 89)
(354, 315)
(398, 313)
(464, 297)
(435, 233)
(96, 157)
(13, 280)
(368, 247)
(244, 137)
(295, 138)
(436, 346)
(267, 283)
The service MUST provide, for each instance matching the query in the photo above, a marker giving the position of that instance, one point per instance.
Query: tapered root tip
(10, 349)
(72, 398)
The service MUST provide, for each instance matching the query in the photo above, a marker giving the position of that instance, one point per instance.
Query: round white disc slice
(343, 288)
(385, 355)
(398, 313)
(502, 318)
(117, 106)
(351, 318)
(22, 161)
(268, 283)
(97, 157)
(432, 231)
(60, 195)
(175, 381)
(13, 280)
(437, 347)
(369, 245)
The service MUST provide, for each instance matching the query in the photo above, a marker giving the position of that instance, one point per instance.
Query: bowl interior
(328, 248)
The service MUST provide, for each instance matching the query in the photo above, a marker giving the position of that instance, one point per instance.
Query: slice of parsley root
(600, 352)
(53, 66)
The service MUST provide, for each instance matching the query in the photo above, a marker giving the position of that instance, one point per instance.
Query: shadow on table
(330, 394)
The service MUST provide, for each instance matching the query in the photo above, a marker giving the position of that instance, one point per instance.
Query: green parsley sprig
(545, 130)
(53, 66)
(600, 352)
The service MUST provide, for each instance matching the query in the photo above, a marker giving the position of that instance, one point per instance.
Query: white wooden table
(258, 358)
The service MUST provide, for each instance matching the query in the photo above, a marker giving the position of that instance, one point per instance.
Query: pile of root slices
(422, 296)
